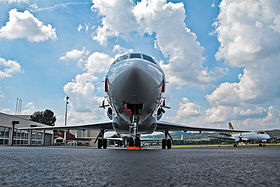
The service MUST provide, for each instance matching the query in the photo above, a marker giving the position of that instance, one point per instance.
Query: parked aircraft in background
(260, 136)
(135, 86)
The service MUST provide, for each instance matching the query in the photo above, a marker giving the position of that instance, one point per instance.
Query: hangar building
(10, 135)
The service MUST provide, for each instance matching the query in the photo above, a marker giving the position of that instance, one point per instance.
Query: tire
(168, 143)
(99, 143)
(104, 143)
(137, 142)
(131, 142)
(163, 144)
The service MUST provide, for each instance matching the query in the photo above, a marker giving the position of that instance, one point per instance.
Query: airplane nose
(136, 85)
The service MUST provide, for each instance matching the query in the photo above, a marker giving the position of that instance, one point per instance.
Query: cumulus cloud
(249, 36)
(249, 33)
(187, 109)
(8, 68)
(81, 85)
(243, 117)
(189, 113)
(222, 114)
(84, 105)
(74, 54)
(117, 19)
(173, 38)
(98, 62)
(84, 101)
(25, 25)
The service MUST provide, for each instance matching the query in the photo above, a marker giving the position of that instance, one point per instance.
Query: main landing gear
(167, 142)
(101, 142)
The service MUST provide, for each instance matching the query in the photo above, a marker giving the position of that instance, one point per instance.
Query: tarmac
(77, 166)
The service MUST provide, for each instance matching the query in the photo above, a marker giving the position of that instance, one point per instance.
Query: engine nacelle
(110, 113)
(159, 113)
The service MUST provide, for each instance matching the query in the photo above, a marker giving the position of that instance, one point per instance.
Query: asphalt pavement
(66, 166)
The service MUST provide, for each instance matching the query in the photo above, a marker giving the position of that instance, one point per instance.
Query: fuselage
(250, 136)
(134, 85)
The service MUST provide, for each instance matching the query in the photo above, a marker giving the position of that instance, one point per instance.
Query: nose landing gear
(134, 140)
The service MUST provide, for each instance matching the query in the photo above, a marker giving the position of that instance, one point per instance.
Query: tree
(46, 117)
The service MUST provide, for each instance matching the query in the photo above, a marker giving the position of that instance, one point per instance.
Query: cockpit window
(123, 57)
(135, 55)
(146, 57)
(261, 132)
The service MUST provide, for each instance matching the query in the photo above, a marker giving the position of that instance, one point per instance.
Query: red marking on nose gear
(133, 95)
(106, 85)
(128, 111)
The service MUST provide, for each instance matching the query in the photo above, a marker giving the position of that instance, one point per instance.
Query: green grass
(227, 145)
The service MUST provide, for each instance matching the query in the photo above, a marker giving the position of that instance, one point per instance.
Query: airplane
(134, 85)
(260, 136)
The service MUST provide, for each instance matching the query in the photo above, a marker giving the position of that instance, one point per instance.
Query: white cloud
(25, 25)
(249, 33)
(8, 68)
(29, 109)
(117, 18)
(74, 54)
(84, 101)
(166, 20)
(254, 118)
(243, 117)
(82, 85)
(98, 63)
(85, 27)
(84, 105)
(222, 114)
(14, 1)
(79, 27)
(187, 109)
(118, 50)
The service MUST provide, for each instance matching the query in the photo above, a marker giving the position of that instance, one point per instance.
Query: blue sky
(217, 57)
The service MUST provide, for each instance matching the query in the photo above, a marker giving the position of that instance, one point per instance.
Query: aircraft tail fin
(230, 127)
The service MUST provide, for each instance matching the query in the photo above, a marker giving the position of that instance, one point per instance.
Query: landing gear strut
(167, 142)
(134, 140)
(101, 142)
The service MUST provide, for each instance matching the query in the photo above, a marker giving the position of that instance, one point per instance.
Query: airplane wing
(93, 126)
(162, 126)
(224, 138)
